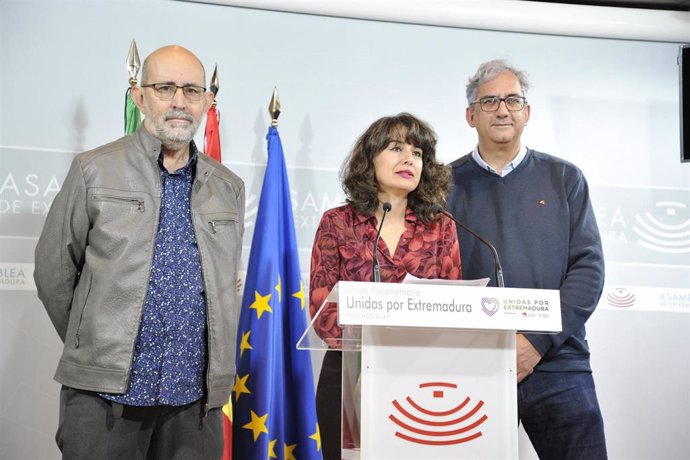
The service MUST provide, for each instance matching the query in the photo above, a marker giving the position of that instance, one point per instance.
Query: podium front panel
(437, 394)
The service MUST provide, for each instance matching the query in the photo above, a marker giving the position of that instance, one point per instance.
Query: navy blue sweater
(541, 221)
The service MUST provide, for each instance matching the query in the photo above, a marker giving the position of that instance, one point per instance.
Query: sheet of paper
(481, 282)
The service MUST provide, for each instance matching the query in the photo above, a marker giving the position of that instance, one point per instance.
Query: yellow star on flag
(287, 452)
(300, 294)
(245, 345)
(261, 304)
(272, 449)
(240, 386)
(279, 288)
(257, 425)
(317, 437)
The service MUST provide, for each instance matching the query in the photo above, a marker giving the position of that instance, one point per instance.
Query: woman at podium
(389, 227)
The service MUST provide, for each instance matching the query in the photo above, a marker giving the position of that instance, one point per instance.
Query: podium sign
(430, 394)
(448, 306)
(429, 369)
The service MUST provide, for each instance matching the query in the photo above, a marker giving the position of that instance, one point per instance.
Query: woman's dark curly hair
(358, 176)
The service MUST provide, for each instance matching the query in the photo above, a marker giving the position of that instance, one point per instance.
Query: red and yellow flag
(212, 133)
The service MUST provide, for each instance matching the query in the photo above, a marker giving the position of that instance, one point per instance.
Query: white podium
(429, 369)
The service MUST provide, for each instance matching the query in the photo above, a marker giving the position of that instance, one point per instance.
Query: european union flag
(274, 411)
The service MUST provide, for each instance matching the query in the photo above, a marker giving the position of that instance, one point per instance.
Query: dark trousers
(91, 427)
(561, 415)
(328, 404)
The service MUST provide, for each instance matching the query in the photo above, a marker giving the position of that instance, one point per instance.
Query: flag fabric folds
(212, 133)
(212, 149)
(227, 430)
(132, 114)
(274, 410)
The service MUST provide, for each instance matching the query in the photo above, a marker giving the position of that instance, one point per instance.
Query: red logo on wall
(620, 298)
(459, 423)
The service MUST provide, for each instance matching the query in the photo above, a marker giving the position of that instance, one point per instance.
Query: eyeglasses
(491, 103)
(167, 91)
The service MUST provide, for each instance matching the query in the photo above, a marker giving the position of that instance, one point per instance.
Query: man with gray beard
(136, 266)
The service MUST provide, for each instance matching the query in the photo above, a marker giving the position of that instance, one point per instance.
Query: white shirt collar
(508, 168)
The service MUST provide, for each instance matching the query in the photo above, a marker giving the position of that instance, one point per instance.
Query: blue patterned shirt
(170, 353)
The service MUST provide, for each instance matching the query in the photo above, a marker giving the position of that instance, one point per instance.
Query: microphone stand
(376, 272)
(497, 264)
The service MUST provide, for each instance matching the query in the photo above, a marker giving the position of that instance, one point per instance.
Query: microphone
(437, 208)
(376, 272)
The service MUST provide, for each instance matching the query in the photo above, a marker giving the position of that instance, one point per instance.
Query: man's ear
(469, 116)
(138, 97)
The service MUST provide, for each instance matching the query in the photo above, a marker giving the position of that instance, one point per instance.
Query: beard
(173, 133)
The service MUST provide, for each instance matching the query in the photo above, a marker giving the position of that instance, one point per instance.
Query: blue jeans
(560, 413)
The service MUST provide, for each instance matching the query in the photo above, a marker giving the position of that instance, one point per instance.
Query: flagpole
(133, 63)
(214, 86)
(132, 114)
(274, 107)
(274, 408)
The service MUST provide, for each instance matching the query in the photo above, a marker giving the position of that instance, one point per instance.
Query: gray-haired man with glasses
(136, 267)
(536, 210)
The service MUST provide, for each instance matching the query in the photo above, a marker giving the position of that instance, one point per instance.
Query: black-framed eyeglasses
(491, 103)
(166, 91)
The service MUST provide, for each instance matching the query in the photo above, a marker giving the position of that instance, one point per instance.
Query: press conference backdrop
(608, 105)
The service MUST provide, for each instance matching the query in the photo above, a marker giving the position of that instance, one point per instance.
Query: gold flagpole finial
(214, 86)
(274, 107)
(133, 63)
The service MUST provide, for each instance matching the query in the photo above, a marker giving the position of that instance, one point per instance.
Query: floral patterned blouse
(343, 251)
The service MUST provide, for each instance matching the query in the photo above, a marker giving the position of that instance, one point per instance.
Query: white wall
(609, 105)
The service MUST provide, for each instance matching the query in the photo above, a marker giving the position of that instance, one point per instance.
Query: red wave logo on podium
(620, 298)
(455, 425)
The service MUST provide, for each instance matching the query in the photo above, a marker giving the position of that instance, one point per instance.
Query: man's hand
(527, 357)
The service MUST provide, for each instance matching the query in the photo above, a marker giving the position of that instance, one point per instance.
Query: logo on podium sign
(444, 419)
(490, 305)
